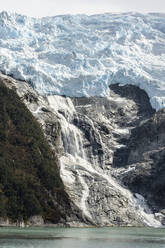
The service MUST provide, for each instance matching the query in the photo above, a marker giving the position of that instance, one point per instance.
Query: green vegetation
(29, 176)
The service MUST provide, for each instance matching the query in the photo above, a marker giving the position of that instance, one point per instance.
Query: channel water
(110, 237)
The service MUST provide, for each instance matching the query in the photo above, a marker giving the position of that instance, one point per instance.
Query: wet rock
(144, 161)
(36, 221)
(105, 154)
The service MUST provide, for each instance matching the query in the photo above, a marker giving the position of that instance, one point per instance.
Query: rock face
(105, 152)
(144, 161)
(30, 180)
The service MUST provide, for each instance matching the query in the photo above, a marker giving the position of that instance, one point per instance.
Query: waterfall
(91, 187)
(144, 210)
(77, 168)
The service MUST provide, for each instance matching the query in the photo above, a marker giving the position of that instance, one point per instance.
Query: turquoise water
(82, 237)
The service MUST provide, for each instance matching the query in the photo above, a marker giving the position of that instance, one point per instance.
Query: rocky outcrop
(95, 141)
(144, 167)
(30, 182)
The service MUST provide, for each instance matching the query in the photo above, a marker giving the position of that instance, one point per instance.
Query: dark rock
(145, 153)
(136, 94)
(29, 97)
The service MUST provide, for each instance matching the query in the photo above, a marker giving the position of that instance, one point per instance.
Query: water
(82, 237)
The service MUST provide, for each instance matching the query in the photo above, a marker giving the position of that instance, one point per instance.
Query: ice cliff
(82, 55)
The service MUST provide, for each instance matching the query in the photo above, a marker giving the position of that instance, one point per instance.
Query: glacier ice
(81, 55)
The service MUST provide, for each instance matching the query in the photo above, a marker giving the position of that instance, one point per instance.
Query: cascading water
(76, 167)
(100, 197)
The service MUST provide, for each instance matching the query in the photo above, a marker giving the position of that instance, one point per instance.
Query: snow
(121, 131)
(61, 104)
(80, 55)
(144, 210)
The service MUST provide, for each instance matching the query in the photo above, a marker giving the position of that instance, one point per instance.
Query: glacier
(81, 55)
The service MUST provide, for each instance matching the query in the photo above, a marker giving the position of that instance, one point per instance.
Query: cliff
(30, 184)
(94, 140)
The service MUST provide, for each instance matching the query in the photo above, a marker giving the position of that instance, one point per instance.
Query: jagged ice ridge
(82, 55)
